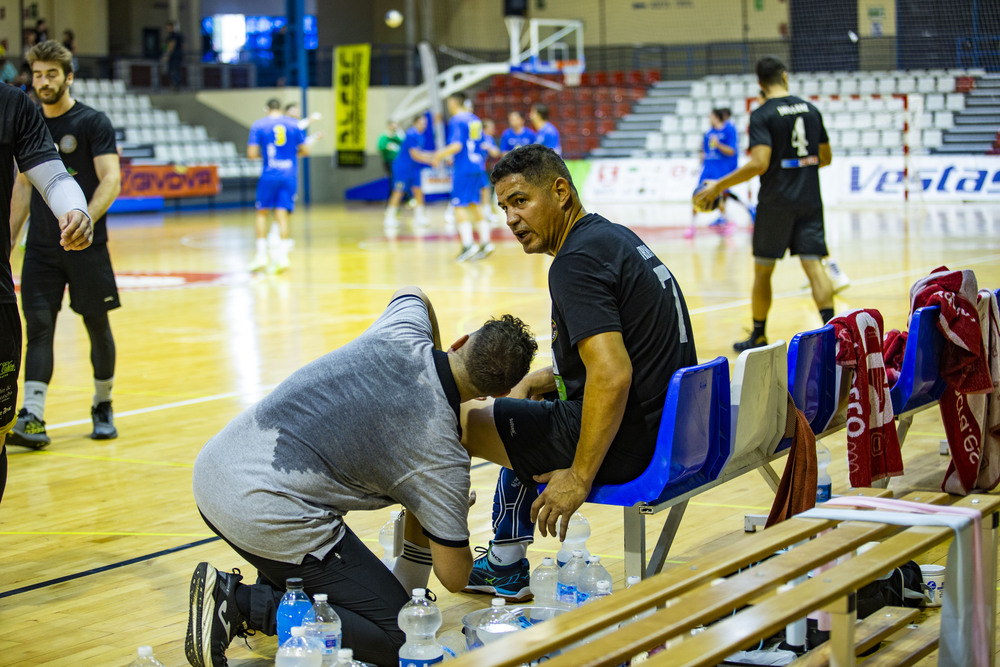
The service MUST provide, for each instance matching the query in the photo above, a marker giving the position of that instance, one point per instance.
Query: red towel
(892, 350)
(963, 359)
(872, 446)
(972, 421)
(797, 488)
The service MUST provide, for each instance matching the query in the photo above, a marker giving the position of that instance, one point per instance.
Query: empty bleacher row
(157, 135)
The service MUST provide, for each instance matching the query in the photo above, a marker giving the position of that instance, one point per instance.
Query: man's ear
(562, 191)
(459, 343)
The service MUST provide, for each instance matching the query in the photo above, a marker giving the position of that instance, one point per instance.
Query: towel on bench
(797, 488)
(893, 347)
(972, 421)
(872, 445)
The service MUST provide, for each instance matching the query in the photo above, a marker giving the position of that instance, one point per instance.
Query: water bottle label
(419, 662)
(581, 597)
(566, 593)
(330, 644)
(823, 493)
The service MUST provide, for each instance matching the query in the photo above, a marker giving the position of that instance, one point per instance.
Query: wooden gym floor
(100, 538)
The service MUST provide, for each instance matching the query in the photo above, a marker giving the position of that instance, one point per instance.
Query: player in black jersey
(788, 145)
(620, 329)
(24, 139)
(86, 143)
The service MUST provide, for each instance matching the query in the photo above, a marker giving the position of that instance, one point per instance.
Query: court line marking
(105, 568)
(103, 534)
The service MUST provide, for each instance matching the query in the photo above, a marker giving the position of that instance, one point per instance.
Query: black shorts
(10, 363)
(541, 436)
(794, 227)
(88, 272)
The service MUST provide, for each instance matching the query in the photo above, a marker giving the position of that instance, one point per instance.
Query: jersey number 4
(799, 141)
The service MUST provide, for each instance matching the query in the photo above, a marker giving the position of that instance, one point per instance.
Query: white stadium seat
(892, 139)
(906, 84)
(934, 102)
(669, 124)
(871, 139)
(675, 142)
(943, 120)
(717, 89)
(829, 86)
(882, 120)
(886, 85)
(849, 86)
(867, 86)
(685, 107)
(955, 101)
(809, 87)
(926, 84)
(946, 84)
(850, 138)
(699, 89)
(654, 141)
(692, 142)
(933, 138)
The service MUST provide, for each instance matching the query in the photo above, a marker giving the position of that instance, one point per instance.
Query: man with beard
(86, 143)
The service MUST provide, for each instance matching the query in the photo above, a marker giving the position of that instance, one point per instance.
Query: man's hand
(77, 230)
(704, 197)
(563, 496)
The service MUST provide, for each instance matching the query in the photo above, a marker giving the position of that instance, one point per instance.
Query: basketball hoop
(572, 74)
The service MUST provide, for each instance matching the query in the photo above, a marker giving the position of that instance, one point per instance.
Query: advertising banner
(351, 63)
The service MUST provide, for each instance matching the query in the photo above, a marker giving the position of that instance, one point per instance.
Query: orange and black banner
(149, 180)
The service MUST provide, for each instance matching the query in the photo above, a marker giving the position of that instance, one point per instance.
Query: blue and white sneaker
(508, 581)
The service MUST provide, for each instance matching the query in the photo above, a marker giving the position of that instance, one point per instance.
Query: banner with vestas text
(351, 63)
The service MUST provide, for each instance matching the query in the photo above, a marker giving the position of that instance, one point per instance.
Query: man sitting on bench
(620, 328)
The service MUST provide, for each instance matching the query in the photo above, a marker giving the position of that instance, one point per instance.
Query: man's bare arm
(109, 175)
(20, 206)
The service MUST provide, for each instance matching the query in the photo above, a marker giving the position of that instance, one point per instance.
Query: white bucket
(934, 580)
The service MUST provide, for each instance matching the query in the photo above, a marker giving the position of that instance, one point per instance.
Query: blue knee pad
(512, 509)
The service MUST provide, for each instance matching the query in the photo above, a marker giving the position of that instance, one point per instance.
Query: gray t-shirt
(371, 424)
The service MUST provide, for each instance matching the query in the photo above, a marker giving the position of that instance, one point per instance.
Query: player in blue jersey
(517, 134)
(406, 170)
(277, 139)
(465, 136)
(718, 158)
(546, 133)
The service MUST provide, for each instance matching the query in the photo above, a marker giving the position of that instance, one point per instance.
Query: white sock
(507, 554)
(484, 231)
(34, 397)
(418, 211)
(102, 390)
(390, 212)
(262, 246)
(465, 234)
(413, 568)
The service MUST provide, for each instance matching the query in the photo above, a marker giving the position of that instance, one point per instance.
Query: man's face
(515, 120)
(534, 214)
(420, 124)
(49, 81)
(536, 119)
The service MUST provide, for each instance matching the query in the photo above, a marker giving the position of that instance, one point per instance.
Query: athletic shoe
(689, 232)
(485, 250)
(279, 265)
(28, 431)
(750, 343)
(468, 252)
(837, 277)
(259, 262)
(719, 222)
(104, 426)
(213, 618)
(509, 581)
(753, 214)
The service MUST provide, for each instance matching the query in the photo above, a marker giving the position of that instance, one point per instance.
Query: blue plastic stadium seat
(920, 379)
(812, 376)
(693, 442)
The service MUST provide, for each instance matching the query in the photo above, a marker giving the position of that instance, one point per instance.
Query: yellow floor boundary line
(113, 459)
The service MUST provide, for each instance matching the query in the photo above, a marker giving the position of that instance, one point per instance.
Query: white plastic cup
(934, 580)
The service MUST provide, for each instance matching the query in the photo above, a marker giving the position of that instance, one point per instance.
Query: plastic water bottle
(298, 651)
(323, 628)
(823, 482)
(577, 533)
(420, 619)
(543, 583)
(496, 623)
(590, 577)
(603, 590)
(293, 607)
(453, 644)
(387, 538)
(345, 658)
(145, 658)
(568, 578)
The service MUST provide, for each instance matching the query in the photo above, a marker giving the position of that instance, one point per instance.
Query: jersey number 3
(799, 141)
(281, 136)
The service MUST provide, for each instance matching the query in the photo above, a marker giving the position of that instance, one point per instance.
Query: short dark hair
(460, 97)
(500, 355)
(539, 165)
(273, 104)
(769, 71)
(51, 51)
(542, 110)
(290, 105)
(722, 113)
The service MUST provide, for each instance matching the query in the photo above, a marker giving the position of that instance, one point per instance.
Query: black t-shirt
(793, 128)
(22, 137)
(81, 134)
(604, 278)
(177, 53)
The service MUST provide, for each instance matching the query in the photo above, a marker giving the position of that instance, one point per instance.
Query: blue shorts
(405, 178)
(465, 188)
(713, 170)
(277, 193)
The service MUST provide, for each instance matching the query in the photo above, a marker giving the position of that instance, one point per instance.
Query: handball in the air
(393, 18)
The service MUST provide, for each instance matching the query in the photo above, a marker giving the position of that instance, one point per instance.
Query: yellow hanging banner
(351, 64)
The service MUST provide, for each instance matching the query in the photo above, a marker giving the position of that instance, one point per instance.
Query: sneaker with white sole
(468, 252)
(507, 581)
(259, 262)
(213, 618)
(104, 425)
(839, 279)
(28, 431)
(485, 250)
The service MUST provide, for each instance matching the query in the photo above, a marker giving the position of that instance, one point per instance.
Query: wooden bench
(691, 595)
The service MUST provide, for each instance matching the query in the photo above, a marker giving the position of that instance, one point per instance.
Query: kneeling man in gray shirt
(372, 424)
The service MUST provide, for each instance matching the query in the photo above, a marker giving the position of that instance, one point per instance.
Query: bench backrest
(920, 379)
(693, 440)
(758, 403)
(812, 375)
